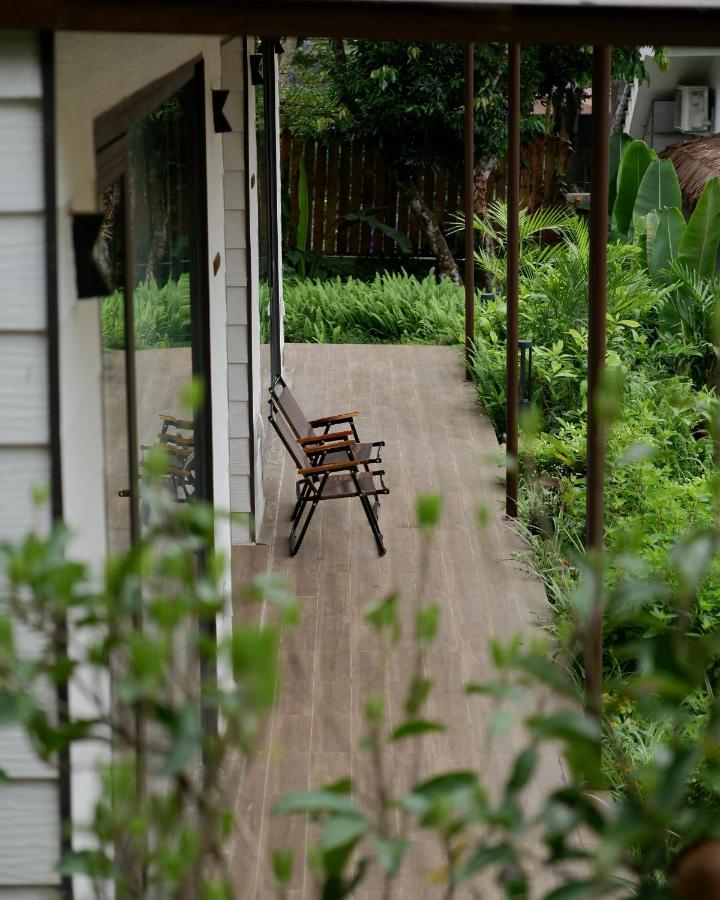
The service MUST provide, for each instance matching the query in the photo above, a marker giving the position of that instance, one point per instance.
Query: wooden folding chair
(283, 399)
(338, 480)
(306, 430)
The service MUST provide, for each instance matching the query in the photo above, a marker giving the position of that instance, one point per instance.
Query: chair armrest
(328, 448)
(340, 417)
(185, 424)
(170, 438)
(322, 438)
(329, 467)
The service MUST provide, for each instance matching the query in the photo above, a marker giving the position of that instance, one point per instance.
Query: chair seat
(343, 486)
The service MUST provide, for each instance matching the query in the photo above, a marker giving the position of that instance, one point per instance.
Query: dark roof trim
(527, 21)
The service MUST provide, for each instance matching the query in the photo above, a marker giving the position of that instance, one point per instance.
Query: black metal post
(271, 200)
(469, 191)
(596, 360)
(513, 278)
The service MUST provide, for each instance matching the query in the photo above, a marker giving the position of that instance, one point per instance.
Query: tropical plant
(688, 324)
(543, 222)
(169, 685)
(647, 209)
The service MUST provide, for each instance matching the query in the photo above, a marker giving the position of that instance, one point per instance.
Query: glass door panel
(160, 172)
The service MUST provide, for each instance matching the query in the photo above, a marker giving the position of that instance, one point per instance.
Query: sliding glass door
(154, 323)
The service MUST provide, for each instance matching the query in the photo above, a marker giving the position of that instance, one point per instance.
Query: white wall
(29, 805)
(94, 73)
(241, 296)
(686, 66)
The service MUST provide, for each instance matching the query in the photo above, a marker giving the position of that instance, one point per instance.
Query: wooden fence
(344, 177)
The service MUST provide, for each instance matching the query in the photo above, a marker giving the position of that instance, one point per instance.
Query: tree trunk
(481, 175)
(446, 265)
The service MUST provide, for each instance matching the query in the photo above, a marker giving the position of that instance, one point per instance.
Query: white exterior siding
(241, 301)
(29, 800)
(94, 72)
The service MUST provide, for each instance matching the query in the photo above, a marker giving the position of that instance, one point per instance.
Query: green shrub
(393, 308)
(161, 315)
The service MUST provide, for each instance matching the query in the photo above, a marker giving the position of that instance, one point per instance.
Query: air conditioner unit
(692, 108)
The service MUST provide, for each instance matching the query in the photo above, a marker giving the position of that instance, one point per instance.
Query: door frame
(112, 164)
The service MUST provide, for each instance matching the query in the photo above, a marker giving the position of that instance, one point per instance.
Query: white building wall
(29, 804)
(95, 72)
(687, 65)
(241, 296)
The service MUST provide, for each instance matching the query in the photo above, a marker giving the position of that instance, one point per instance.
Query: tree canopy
(408, 97)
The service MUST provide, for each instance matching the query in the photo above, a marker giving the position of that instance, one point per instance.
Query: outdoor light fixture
(487, 296)
(525, 392)
(220, 122)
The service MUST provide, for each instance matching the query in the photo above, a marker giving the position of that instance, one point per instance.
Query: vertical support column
(469, 191)
(596, 360)
(272, 191)
(513, 279)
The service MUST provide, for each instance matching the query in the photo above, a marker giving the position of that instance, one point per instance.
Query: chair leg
(300, 504)
(295, 542)
(377, 534)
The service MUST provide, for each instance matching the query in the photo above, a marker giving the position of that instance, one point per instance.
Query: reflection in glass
(160, 216)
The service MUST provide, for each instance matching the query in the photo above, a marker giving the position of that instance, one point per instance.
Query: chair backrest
(290, 408)
(279, 423)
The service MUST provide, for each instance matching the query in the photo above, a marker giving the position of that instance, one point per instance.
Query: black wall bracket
(89, 276)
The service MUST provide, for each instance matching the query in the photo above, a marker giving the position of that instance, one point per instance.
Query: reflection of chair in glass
(180, 474)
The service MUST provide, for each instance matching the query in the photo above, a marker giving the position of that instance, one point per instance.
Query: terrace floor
(414, 398)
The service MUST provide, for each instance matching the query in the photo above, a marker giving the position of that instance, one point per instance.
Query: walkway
(414, 398)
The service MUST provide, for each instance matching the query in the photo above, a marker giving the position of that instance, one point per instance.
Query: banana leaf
(635, 160)
(666, 244)
(699, 244)
(659, 188)
(618, 143)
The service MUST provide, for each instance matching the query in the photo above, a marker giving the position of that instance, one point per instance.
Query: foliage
(533, 227)
(647, 210)
(408, 97)
(407, 100)
(495, 835)
(161, 315)
(168, 837)
(391, 308)
(309, 105)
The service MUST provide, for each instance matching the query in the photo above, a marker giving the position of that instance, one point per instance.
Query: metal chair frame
(316, 478)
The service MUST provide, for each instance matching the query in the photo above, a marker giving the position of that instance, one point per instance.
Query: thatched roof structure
(695, 162)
